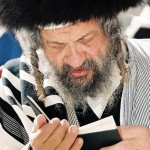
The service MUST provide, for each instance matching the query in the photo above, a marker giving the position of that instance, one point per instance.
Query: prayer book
(99, 134)
(96, 135)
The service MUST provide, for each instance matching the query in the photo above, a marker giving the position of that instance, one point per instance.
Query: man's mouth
(77, 73)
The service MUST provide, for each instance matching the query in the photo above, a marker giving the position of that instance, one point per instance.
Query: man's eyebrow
(89, 33)
(54, 42)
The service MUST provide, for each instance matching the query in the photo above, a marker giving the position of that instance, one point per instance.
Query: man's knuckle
(62, 147)
(56, 140)
(35, 144)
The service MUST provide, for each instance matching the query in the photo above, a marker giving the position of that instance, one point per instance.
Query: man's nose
(75, 57)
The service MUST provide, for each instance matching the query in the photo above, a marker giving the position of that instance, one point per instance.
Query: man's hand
(55, 135)
(133, 138)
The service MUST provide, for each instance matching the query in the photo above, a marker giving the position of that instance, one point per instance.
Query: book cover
(99, 134)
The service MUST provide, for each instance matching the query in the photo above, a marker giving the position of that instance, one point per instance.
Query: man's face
(76, 50)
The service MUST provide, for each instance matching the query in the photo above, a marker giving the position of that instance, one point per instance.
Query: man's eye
(57, 46)
(87, 40)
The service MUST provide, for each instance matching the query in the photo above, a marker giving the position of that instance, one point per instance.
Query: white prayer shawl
(16, 116)
(135, 108)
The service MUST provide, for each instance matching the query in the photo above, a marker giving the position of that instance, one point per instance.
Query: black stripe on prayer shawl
(56, 110)
(50, 91)
(28, 88)
(11, 122)
(13, 66)
(15, 92)
(24, 67)
(12, 101)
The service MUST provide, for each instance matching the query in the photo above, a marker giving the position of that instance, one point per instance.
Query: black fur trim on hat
(16, 14)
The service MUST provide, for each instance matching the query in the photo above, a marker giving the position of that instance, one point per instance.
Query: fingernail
(64, 122)
(55, 120)
(73, 129)
(80, 141)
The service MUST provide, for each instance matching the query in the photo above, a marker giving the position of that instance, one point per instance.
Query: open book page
(100, 125)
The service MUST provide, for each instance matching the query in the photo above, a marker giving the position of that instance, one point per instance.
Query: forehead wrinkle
(71, 33)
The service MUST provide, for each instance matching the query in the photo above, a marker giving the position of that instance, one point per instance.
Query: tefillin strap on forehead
(17, 14)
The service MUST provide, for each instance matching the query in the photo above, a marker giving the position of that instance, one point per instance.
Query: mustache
(87, 64)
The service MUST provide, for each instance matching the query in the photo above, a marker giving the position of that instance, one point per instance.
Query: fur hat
(17, 14)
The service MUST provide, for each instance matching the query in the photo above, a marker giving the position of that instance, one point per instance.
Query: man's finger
(77, 144)
(39, 121)
(56, 138)
(69, 138)
(38, 138)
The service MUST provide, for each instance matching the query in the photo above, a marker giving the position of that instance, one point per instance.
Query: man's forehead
(77, 30)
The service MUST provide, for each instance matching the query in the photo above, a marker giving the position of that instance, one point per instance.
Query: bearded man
(78, 68)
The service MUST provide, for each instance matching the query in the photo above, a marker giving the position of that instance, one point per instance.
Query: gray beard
(74, 94)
